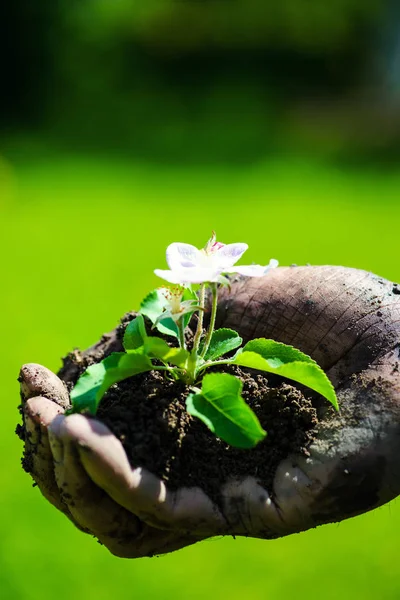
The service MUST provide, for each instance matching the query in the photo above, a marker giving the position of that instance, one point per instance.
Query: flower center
(206, 259)
(174, 296)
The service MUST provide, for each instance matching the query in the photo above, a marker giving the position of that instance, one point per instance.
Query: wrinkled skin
(349, 322)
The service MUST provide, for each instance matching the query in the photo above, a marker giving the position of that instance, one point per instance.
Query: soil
(147, 413)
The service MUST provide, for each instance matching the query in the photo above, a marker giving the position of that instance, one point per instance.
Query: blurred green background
(128, 125)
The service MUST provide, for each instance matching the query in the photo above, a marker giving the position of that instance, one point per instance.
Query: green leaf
(158, 348)
(222, 341)
(270, 349)
(152, 306)
(220, 406)
(155, 303)
(83, 395)
(95, 381)
(274, 357)
(135, 334)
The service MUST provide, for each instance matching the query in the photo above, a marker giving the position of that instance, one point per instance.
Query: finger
(38, 459)
(36, 380)
(114, 526)
(139, 491)
(87, 502)
(250, 510)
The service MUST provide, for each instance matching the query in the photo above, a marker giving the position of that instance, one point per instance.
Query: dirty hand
(349, 322)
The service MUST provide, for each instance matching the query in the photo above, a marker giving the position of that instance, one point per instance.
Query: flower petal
(228, 255)
(171, 276)
(189, 275)
(182, 256)
(253, 270)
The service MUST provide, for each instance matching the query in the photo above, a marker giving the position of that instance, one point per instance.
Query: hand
(347, 320)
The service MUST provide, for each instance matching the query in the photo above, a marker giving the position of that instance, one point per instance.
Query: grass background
(79, 240)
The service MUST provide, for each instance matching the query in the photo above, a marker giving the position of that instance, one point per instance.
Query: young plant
(215, 398)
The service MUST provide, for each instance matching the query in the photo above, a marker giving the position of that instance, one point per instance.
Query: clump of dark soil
(147, 413)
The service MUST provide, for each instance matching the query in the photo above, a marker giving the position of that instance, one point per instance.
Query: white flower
(188, 264)
(175, 308)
